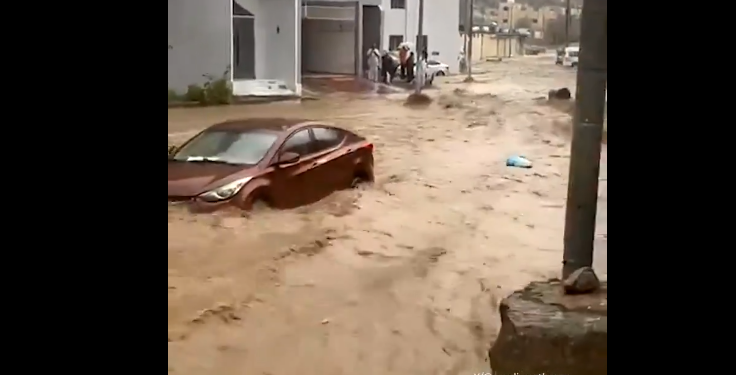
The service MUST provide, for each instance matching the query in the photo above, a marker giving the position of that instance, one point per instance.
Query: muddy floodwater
(401, 278)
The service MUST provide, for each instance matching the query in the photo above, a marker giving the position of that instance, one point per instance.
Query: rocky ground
(403, 278)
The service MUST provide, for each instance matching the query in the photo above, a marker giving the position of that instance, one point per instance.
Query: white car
(436, 68)
(429, 74)
(568, 56)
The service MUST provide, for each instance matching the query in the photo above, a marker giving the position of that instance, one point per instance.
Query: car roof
(272, 124)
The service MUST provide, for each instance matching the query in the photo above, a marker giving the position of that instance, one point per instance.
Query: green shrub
(174, 96)
(215, 91)
(218, 90)
(195, 93)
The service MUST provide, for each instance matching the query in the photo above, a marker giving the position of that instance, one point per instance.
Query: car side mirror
(288, 158)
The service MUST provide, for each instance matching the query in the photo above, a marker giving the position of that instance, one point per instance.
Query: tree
(523, 23)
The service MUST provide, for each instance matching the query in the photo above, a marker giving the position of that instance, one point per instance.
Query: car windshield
(232, 147)
(573, 53)
(433, 62)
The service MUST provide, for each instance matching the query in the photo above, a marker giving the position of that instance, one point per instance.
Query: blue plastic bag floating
(518, 162)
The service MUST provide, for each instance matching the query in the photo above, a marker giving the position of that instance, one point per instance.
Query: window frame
(398, 4)
(392, 47)
(204, 132)
(310, 144)
(341, 139)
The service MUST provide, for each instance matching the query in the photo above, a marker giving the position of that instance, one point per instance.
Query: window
(505, 21)
(534, 20)
(433, 62)
(394, 41)
(228, 146)
(327, 138)
(506, 8)
(298, 143)
(398, 4)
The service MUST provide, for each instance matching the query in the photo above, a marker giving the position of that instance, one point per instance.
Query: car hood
(187, 179)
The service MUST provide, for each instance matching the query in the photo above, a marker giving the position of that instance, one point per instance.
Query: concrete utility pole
(469, 49)
(419, 79)
(567, 23)
(585, 155)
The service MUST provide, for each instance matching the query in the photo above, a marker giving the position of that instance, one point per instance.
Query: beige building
(493, 46)
(508, 15)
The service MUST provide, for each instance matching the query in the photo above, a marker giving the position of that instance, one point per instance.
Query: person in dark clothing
(410, 67)
(424, 55)
(388, 68)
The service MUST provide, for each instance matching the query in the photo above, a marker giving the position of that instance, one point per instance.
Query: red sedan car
(283, 163)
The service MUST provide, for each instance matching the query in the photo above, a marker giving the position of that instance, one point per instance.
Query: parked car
(282, 163)
(567, 56)
(437, 68)
(429, 74)
(559, 56)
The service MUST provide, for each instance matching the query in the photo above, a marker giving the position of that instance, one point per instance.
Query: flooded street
(402, 278)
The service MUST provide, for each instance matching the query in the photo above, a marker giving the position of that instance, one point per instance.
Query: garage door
(328, 40)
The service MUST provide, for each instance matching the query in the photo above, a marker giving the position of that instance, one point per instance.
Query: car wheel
(260, 205)
(360, 183)
(440, 73)
(256, 201)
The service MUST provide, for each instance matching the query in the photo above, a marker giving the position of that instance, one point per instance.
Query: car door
(292, 184)
(335, 165)
(432, 66)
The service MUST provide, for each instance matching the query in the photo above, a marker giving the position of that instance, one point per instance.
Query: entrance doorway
(330, 37)
(372, 26)
(244, 43)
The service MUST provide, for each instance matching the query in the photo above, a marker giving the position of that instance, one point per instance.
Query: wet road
(403, 278)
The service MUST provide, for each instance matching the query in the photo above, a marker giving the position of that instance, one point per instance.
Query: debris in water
(518, 161)
(420, 99)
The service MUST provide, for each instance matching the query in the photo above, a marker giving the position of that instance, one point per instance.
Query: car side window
(299, 143)
(327, 138)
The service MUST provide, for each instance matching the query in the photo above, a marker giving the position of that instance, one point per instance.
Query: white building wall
(200, 36)
(440, 25)
(441, 18)
(200, 33)
(276, 35)
(398, 21)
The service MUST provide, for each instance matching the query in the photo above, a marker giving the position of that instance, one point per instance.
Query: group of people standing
(382, 67)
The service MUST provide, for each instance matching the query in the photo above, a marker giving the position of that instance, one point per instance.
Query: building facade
(513, 15)
(264, 47)
(240, 40)
(440, 27)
